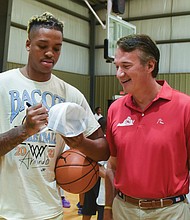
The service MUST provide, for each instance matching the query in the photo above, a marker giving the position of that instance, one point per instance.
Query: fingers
(36, 118)
(74, 142)
(38, 112)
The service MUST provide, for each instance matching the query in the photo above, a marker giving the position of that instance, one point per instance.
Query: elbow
(106, 155)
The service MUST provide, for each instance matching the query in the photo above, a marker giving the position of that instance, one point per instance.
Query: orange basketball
(75, 172)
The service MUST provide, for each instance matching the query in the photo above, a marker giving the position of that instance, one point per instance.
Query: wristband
(107, 207)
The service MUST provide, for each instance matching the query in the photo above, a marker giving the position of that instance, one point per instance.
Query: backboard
(115, 28)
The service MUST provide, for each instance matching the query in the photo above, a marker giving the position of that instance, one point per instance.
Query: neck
(145, 98)
(25, 72)
(33, 75)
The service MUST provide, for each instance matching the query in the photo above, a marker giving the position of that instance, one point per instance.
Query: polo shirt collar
(164, 93)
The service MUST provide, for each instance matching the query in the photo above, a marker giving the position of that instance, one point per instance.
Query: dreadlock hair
(46, 20)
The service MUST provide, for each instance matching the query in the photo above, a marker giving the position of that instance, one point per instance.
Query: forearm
(110, 194)
(97, 150)
(12, 138)
(94, 146)
(109, 186)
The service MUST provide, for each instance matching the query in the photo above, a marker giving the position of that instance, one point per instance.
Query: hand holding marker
(43, 129)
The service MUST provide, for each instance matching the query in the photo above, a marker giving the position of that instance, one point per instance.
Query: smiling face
(44, 46)
(132, 73)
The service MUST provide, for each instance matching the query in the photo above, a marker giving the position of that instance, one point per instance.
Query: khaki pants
(126, 211)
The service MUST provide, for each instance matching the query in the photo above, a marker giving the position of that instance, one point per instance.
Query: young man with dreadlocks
(28, 188)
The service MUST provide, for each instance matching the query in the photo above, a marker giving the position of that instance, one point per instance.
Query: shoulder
(170, 93)
(181, 97)
(9, 73)
(66, 85)
(9, 77)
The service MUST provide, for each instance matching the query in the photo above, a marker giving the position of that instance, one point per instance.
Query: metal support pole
(5, 17)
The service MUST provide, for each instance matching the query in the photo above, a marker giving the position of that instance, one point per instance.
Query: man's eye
(126, 67)
(57, 49)
(42, 46)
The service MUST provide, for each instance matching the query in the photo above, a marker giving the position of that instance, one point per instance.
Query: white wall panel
(180, 27)
(68, 4)
(74, 28)
(158, 29)
(73, 59)
(101, 67)
(180, 58)
(149, 7)
(164, 65)
(27, 9)
(17, 52)
(181, 5)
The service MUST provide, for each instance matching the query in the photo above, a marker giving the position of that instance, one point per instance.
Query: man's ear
(151, 65)
(28, 45)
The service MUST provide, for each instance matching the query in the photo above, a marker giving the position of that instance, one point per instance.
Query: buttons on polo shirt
(142, 114)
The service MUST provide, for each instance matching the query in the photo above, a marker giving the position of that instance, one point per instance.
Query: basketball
(75, 172)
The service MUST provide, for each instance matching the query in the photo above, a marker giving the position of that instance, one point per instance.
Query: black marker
(28, 104)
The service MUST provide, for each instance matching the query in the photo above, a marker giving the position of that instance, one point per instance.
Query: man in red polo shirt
(148, 131)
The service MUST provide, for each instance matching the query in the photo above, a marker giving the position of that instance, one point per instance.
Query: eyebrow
(44, 41)
(124, 62)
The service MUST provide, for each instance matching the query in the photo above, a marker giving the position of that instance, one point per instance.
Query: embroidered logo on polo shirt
(127, 122)
(160, 121)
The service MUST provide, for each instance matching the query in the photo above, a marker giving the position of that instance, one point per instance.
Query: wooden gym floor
(72, 212)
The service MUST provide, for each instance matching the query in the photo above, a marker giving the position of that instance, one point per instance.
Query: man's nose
(119, 72)
(49, 53)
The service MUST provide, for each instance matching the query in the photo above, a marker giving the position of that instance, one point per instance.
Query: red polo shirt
(152, 146)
